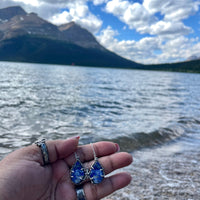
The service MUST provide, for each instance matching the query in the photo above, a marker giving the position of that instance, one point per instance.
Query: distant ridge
(8, 13)
(25, 37)
(194, 57)
(192, 66)
(75, 34)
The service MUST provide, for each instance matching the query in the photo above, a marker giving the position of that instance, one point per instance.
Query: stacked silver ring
(80, 193)
(44, 151)
(45, 156)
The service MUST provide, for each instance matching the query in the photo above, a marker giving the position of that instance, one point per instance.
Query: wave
(188, 121)
(15, 105)
(183, 127)
(143, 140)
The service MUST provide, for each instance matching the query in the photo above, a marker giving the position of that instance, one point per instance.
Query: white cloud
(73, 11)
(172, 10)
(107, 38)
(60, 11)
(29, 2)
(137, 17)
(178, 49)
(169, 28)
(80, 14)
(138, 51)
(141, 17)
(132, 14)
(151, 49)
(117, 7)
(62, 1)
(99, 2)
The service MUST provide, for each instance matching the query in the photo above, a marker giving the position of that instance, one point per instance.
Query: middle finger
(85, 152)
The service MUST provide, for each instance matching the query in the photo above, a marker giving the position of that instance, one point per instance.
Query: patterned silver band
(80, 193)
(44, 150)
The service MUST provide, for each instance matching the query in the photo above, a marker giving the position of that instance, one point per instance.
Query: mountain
(192, 66)
(193, 57)
(27, 24)
(73, 33)
(25, 37)
(8, 13)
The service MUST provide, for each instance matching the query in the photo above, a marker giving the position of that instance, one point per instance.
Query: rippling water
(134, 108)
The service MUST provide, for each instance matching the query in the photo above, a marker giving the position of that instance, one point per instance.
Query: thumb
(57, 149)
(60, 149)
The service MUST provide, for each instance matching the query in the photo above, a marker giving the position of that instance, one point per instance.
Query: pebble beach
(169, 172)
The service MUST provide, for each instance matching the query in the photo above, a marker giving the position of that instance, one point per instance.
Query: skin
(23, 174)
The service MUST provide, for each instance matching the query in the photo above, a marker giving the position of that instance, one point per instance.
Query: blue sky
(145, 31)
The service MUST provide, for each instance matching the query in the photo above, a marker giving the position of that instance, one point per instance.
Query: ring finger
(110, 185)
(85, 152)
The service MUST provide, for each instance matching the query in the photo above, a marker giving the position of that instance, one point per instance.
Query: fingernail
(75, 138)
(117, 147)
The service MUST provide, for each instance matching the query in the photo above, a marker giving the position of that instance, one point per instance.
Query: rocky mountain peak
(8, 13)
(64, 27)
(27, 24)
(14, 22)
(74, 33)
(193, 57)
(26, 37)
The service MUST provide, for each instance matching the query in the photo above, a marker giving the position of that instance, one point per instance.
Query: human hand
(24, 177)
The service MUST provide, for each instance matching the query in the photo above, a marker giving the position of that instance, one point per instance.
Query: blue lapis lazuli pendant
(78, 173)
(96, 173)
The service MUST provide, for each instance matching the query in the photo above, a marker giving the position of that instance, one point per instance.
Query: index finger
(57, 149)
(85, 152)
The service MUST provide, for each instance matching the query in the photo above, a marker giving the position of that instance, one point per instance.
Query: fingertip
(130, 158)
(122, 180)
(128, 177)
(127, 156)
(60, 149)
(69, 145)
(74, 138)
(72, 142)
(117, 147)
(108, 186)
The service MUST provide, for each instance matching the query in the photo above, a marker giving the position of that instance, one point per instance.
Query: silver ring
(44, 150)
(80, 193)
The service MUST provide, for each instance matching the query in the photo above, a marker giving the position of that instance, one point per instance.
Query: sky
(145, 31)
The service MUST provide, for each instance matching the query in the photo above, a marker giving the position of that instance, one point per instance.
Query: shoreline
(171, 171)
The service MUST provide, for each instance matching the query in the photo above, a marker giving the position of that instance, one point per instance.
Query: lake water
(137, 109)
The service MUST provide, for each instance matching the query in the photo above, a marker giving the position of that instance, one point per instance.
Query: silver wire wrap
(80, 193)
(44, 151)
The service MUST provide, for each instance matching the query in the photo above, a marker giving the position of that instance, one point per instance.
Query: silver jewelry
(80, 193)
(78, 173)
(96, 173)
(44, 150)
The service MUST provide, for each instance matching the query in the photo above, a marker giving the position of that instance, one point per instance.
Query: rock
(28, 24)
(75, 34)
(8, 13)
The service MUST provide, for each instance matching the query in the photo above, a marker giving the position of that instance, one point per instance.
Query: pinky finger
(108, 186)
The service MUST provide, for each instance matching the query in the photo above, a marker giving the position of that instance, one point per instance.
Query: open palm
(23, 175)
